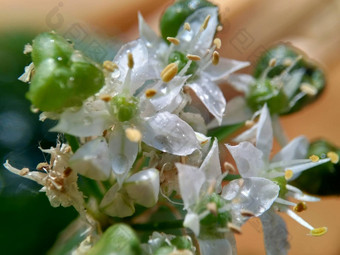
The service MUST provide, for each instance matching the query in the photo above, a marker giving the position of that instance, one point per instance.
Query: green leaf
(221, 133)
(119, 239)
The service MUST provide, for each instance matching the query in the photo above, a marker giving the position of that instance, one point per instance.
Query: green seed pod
(323, 179)
(182, 61)
(285, 80)
(124, 108)
(63, 76)
(175, 15)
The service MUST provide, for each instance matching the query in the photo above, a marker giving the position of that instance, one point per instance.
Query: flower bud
(124, 108)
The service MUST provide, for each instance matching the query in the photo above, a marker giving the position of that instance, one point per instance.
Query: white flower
(254, 161)
(197, 45)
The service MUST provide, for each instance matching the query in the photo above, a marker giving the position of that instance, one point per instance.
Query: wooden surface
(250, 26)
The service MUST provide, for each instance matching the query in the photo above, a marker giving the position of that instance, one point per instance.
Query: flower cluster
(138, 133)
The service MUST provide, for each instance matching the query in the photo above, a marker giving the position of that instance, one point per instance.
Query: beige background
(250, 26)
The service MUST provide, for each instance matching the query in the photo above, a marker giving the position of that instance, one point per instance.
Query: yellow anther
(109, 66)
(215, 58)
(218, 43)
(219, 28)
(229, 167)
(133, 134)
(249, 123)
(169, 72)
(150, 93)
(308, 89)
(193, 57)
(314, 158)
(333, 156)
(300, 207)
(187, 26)
(131, 63)
(24, 171)
(247, 213)
(173, 40)
(318, 231)
(105, 97)
(287, 61)
(272, 62)
(205, 23)
(288, 174)
(234, 228)
(212, 207)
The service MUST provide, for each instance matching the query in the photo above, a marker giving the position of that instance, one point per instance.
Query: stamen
(314, 158)
(272, 62)
(247, 213)
(150, 93)
(249, 123)
(318, 231)
(229, 167)
(333, 156)
(236, 229)
(211, 187)
(109, 66)
(187, 26)
(67, 171)
(287, 61)
(193, 57)
(205, 23)
(133, 134)
(173, 40)
(131, 63)
(105, 97)
(24, 171)
(289, 174)
(308, 89)
(212, 208)
(169, 72)
(218, 43)
(300, 207)
(219, 28)
(215, 58)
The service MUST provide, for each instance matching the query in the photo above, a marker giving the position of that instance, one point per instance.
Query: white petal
(147, 34)
(249, 135)
(241, 82)
(92, 160)
(293, 82)
(297, 169)
(224, 68)
(195, 20)
(168, 92)
(90, 120)
(123, 153)
(248, 159)
(167, 132)
(296, 149)
(215, 246)
(211, 166)
(264, 137)
(192, 221)
(26, 76)
(210, 95)
(143, 187)
(253, 194)
(190, 181)
(116, 204)
(237, 111)
(275, 233)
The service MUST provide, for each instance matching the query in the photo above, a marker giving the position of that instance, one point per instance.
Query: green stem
(72, 141)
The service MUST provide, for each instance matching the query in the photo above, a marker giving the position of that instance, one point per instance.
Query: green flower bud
(285, 81)
(124, 108)
(118, 239)
(63, 76)
(323, 179)
(175, 15)
(182, 243)
(182, 61)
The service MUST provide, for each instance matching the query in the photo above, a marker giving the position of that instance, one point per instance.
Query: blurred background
(28, 224)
